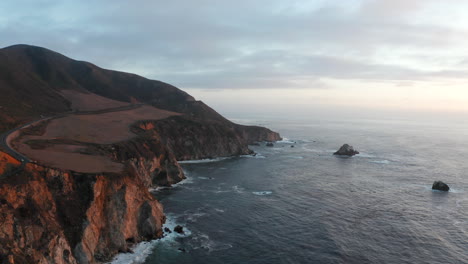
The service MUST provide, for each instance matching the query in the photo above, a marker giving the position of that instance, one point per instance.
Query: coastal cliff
(100, 140)
(189, 139)
(53, 216)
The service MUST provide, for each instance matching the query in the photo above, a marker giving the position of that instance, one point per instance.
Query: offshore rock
(441, 186)
(179, 229)
(346, 150)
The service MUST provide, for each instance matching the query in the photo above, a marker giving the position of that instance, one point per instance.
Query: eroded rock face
(190, 138)
(49, 216)
(154, 163)
(30, 231)
(441, 186)
(346, 150)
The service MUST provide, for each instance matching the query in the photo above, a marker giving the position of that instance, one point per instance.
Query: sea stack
(346, 150)
(179, 229)
(441, 186)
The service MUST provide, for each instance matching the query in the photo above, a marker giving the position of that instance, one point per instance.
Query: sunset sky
(267, 55)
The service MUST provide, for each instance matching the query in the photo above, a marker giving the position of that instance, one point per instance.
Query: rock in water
(438, 185)
(346, 150)
(179, 229)
(269, 144)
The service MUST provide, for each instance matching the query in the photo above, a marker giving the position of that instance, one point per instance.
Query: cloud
(246, 44)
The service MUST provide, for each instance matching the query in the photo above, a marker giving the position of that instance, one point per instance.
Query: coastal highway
(24, 160)
(15, 154)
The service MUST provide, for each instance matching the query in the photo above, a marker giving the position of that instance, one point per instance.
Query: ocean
(301, 204)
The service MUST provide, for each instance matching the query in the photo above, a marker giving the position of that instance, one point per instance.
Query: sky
(267, 56)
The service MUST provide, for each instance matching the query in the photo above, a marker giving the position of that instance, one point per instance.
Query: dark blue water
(304, 205)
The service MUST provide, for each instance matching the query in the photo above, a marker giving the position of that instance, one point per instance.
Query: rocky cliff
(52, 215)
(191, 139)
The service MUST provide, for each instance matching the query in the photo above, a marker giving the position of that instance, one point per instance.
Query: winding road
(25, 160)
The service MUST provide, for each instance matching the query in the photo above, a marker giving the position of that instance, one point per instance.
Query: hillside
(81, 147)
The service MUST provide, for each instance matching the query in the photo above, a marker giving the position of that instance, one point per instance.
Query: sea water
(301, 204)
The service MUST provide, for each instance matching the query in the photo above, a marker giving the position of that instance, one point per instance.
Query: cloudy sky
(294, 55)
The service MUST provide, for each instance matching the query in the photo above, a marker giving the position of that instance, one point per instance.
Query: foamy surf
(203, 241)
(452, 190)
(380, 161)
(238, 189)
(263, 193)
(187, 180)
(202, 160)
(286, 141)
(142, 250)
(295, 157)
(365, 155)
(139, 255)
(205, 178)
(255, 156)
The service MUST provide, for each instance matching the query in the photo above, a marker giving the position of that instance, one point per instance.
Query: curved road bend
(24, 160)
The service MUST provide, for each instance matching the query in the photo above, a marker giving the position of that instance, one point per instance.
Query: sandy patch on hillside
(90, 101)
(65, 157)
(105, 128)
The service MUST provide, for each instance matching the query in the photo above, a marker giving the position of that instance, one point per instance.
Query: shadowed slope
(32, 81)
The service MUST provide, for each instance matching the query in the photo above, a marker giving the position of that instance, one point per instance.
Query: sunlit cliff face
(401, 55)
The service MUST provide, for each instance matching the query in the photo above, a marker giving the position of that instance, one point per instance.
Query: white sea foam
(295, 157)
(193, 217)
(460, 202)
(452, 190)
(238, 189)
(202, 160)
(157, 189)
(380, 161)
(140, 253)
(221, 191)
(263, 193)
(142, 250)
(312, 150)
(187, 180)
(286, 141)
(277, 150)
(459, 223)
(205, 178)
(203, 241)
(455, 190)
(365, 155)
(256, 156)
